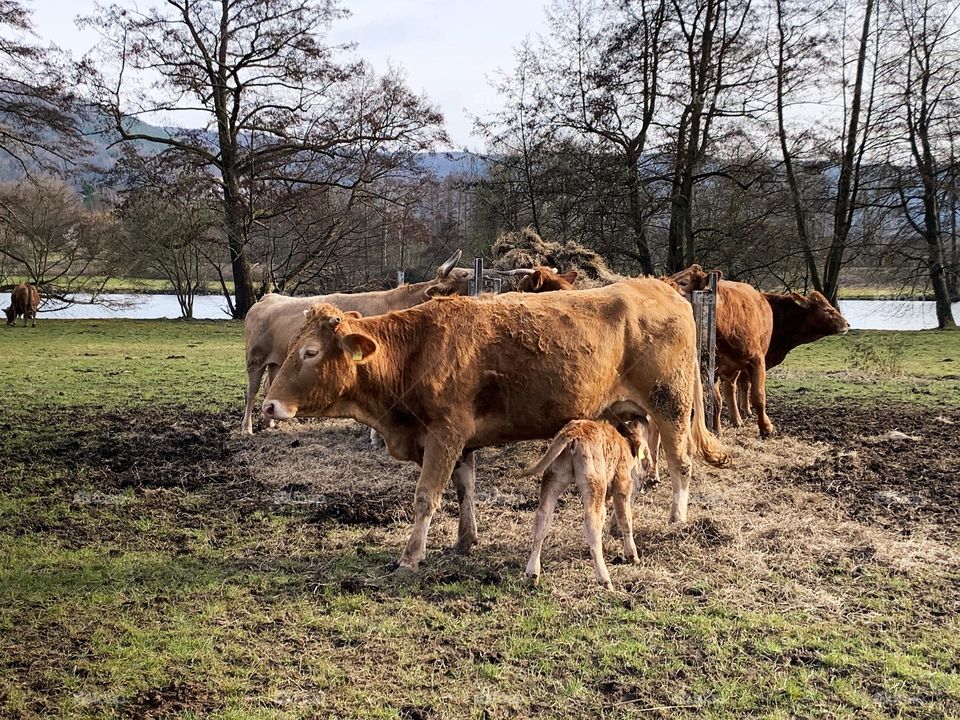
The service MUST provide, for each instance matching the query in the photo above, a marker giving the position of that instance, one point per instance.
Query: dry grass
(525, 249)
(755, 542)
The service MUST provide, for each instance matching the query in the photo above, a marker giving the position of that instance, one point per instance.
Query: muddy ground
(898, 468)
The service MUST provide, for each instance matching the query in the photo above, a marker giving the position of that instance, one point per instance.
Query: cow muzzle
(276, 410)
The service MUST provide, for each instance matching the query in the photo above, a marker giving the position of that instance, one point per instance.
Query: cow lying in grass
(603, 462)
(275, 320)
(445, 378)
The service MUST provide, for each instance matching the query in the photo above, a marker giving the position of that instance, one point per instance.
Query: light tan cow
(604, 462)
(447, 377)
(275, 320)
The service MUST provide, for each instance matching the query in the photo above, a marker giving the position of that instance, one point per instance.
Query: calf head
(11, 315)
(545, 279)
(321, 365)
(687, 281)
(451, 280)
(636, 432)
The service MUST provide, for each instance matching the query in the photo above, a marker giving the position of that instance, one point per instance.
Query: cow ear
(571, 277)
(798, 298)
(358, 347)
(352, 314)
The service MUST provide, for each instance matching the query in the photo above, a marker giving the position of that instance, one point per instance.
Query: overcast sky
(448, 48)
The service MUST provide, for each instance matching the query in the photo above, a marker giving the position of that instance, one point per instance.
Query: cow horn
(518, 271)
(556, 271)
(445, 269)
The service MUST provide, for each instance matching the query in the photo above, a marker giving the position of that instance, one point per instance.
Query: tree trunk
(846, 196)
(636, 216)
(243, 292)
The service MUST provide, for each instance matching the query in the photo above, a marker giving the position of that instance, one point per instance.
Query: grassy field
(153, 563)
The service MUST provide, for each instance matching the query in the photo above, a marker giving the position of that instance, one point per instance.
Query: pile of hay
(526, 249)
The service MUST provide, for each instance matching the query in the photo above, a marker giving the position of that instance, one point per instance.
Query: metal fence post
(705, 315)
(400, 276)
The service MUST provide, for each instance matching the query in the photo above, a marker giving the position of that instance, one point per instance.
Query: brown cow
(447, 377)
(24, 300)
(797, 320)
(603, 462)
(744, 329)
(542, 279)
(275, 320)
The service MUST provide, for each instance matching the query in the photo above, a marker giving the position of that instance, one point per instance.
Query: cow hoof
(768, 432)
(405, 572)
(606, 585)
(464, 546)
(533, 580)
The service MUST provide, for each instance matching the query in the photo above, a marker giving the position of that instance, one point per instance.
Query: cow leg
(675, 438)
(758, 394)
(730, 393)
(464, 480)
(271, 373)
(593, 491)
(653, 442)
(717, 407)
(440, 455)
(254, 376)
(551, 487)
(622, 494)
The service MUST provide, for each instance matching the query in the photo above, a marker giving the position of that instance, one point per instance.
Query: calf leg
(622, 495)
(593, 489)
(254, 376)
(730, 393)
(743, 394)
(439, 457)
(758, 394)
(552, 485)
(464, 480)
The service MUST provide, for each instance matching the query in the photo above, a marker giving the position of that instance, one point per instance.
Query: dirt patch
(175, 700)
(894, 467)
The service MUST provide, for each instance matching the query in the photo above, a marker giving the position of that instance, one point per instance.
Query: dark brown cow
(275, 320)
(447, 377)
(543, 279)
(744, 330)
(797, 320)
(24, 300)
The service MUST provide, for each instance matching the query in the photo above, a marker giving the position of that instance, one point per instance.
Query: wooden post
(705, 315)
(476, 285)
(400, 277)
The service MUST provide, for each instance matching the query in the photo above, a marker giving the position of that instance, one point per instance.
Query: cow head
(687, 281)
(820, 318)
(450, 280)
(11, 315)
(320, 366)
(543, 279)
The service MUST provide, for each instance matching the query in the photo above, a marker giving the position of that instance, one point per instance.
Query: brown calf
(603, 463)
(542, 279)
(24, 300)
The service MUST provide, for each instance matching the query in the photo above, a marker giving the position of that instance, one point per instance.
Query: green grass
(113, 594)
(874, 366)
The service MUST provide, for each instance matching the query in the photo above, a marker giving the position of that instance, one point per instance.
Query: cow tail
(707, 444)
(558, 445)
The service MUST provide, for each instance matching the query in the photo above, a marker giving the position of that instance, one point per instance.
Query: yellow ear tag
(640, 454)
(357, 355)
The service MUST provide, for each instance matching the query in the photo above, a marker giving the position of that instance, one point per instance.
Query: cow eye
(308, 353)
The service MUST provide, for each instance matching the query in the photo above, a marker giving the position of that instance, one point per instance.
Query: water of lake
(861, 314)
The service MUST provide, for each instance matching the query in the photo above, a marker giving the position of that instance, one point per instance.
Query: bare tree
(52, 240)
(39, 124)
(930, 38)
(279, 100)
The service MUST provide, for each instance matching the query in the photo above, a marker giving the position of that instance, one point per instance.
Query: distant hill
(105, 152)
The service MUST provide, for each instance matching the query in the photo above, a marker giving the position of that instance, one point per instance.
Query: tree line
(784, 141)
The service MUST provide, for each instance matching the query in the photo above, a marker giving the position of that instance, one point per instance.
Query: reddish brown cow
(275, 320)
(603, 462)
(447, 377)
(543, 279)
(797, 320)
(744, 329)
(24, 300)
